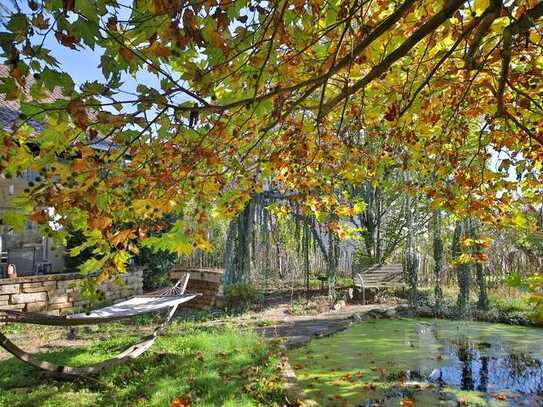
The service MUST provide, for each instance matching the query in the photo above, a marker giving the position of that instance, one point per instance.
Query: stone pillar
(204, 281)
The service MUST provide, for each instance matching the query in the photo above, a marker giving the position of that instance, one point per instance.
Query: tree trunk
(333, 246)
(462, 269)
(411, 261)
(305, 249)
(482, 303)
(438, 261)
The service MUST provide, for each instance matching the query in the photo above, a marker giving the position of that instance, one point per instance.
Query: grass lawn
(210, 367)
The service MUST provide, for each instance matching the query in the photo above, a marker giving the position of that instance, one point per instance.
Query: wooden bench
(380, 276)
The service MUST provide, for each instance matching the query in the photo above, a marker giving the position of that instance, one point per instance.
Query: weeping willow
(239, 247)
(260, 246)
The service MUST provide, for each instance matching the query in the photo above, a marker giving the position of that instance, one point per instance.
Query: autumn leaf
(68, 5)
(481, 6)
(159, 51)
(39, 217)
(100, 222)
(181, 402)
(78, 112)
(68, 40)
(126, 54)
(39, 21)
(122, 237)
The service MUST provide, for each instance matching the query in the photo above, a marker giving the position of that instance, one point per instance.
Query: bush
(242, 294)
(157, 266)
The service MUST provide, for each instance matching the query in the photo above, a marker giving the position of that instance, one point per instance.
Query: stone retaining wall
(59, 293)
(204, 281)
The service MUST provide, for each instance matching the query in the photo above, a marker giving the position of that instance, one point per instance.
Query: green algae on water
(432, 362)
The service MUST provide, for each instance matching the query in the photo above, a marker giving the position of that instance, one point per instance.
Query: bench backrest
(381, 275)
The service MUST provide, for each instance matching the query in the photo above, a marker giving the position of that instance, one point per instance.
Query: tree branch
(448, 10)
(522, 25)
(487, 18)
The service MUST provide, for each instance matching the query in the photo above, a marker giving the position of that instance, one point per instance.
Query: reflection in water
(489, 368)
(483, 381)
(464, 356)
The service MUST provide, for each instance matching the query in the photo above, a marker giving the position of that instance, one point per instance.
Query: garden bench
(380, 276)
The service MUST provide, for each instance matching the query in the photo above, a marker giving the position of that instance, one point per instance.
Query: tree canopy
(299, 96)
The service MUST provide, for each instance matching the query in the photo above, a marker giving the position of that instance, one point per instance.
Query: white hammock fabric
(134, 306)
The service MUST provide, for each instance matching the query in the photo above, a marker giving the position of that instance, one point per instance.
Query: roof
(10, 109)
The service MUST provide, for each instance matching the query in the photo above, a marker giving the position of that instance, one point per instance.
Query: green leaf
(173, 241)
(18, 24)
(91, 265)
(15, 219)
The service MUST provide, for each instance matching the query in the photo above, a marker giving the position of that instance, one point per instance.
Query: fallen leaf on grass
(297, 366)
(408, 403)
(348, 377)
(200, 356)
(180, 402)
(462, 401)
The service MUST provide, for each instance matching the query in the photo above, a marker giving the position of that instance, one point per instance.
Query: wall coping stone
(55, 277)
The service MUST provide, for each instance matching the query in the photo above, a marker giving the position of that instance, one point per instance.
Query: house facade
(30, 252)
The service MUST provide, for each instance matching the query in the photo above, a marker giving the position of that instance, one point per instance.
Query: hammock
(166, 299)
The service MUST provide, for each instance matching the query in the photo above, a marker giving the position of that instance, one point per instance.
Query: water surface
(431, 362)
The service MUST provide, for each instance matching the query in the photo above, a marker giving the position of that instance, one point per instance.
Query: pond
(423, 362)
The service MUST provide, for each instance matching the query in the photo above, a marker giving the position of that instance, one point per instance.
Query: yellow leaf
(481, 6)
(159, 51)
(535, 37)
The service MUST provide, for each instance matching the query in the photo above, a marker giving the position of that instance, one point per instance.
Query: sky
(83, 64)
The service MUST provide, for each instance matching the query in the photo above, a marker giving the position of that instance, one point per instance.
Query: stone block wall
(204, 281)
(59, 293)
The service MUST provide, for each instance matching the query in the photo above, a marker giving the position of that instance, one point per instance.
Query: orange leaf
(126, 54)
(38, 217)
(100, 222)
(79, 165)
(122, 236)
(181, 402)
